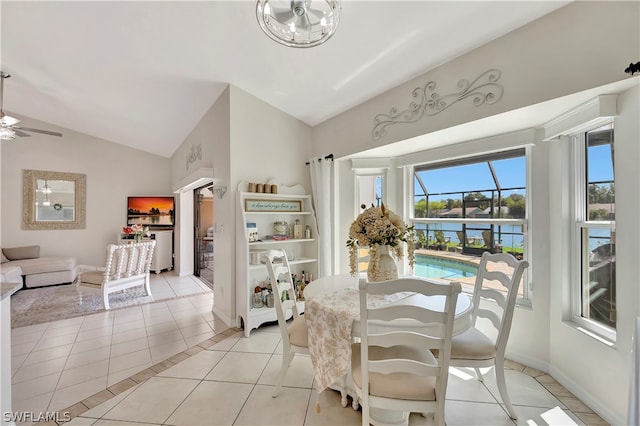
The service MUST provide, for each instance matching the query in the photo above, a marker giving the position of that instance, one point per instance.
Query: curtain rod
(326, 157)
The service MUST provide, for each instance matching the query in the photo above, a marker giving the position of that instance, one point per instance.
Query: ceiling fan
(9, 128)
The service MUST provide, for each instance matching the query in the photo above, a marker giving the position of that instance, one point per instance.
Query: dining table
(332, 312)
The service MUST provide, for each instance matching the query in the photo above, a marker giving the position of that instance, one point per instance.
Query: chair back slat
(407, 331)
(280, 278)
(127, 260)
(506, 270)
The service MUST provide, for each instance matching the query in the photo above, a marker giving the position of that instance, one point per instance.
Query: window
(594, 231)
(464, 207)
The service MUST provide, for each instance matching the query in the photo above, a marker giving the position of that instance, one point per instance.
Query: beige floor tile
(463, 386)
(22, 348)
(197, 408)
(90, 344)
(462, 413)
(65, 397)
(26, 336)
(198, 338)
(260, 342)
(44, 368)
(118, 376)
(50, 342)
(35, 404)
(88, 357)
(84, 373)
(195, 329)
(289, 408)
(125, 336)
(30, 388)
(523, 390)
(124, 348)
(161, 328)
(151, 403)
(164, 338)
(100, 410)
(239, 367)
(554, 416)
(331, 411)
(162, 352)
(93, 333)
(130, 360)
(48, 354)
(299, 374)
(195, 367)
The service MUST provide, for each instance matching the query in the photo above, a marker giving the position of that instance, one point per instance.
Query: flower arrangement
(375, 227)
(138, 231)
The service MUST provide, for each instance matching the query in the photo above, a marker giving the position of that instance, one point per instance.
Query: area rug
(44, 304)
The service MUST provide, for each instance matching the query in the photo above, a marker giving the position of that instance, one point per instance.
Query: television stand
(163, 254)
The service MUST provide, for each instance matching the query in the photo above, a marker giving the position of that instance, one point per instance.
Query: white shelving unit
(302, 252)
(163, 253)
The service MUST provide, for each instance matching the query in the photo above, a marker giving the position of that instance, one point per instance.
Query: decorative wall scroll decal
(194, 155)
(483, 90)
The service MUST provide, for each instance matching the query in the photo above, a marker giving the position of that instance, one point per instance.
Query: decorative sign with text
(251, 205)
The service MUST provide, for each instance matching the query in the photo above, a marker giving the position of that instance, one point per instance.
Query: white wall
(243, 139)
(601, 372)
(206, 148)
(113, 173)
(580, 47)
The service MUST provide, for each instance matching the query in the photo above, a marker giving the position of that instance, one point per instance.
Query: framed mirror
(53, 200)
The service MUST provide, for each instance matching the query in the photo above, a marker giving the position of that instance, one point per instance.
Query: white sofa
(35, 271)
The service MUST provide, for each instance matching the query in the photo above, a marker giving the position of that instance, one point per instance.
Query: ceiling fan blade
(46, 132)
(8, 121)
(21, 133)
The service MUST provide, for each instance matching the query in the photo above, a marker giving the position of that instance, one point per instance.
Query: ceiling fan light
(299, 23)
(6, 134)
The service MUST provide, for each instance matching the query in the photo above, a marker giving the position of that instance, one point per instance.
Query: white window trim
(592, 328)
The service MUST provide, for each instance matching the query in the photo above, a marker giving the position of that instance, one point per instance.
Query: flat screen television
(151, 211)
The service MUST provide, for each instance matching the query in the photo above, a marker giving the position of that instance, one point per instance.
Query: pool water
(437, 267)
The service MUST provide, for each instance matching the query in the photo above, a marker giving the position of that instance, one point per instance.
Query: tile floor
(182, 374)
(57, 364)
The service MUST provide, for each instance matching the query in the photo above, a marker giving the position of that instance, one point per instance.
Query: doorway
(203, 233)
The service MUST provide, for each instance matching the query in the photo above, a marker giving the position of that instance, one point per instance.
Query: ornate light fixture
(299, 23)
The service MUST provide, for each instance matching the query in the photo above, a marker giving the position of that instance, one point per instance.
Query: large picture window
(464, 207)
(595, 232)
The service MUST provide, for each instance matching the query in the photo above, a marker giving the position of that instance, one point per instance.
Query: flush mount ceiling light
(299, 23)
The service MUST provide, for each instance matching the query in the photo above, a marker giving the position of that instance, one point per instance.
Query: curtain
(321, 170)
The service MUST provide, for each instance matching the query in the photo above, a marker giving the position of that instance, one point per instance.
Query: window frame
(527, 288)
(580, 225)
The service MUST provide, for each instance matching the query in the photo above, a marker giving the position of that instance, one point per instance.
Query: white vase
(383, 270)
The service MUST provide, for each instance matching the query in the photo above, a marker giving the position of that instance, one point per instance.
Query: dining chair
(497, 281)
(392, 366)
(295, 337)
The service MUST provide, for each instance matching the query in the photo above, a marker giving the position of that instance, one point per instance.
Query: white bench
(126, 266)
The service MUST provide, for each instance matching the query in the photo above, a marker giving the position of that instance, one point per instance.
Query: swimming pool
(438, 267)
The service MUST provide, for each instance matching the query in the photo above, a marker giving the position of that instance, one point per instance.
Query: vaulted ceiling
(143, 74)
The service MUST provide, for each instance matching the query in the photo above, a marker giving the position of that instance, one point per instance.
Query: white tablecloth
(332, 312)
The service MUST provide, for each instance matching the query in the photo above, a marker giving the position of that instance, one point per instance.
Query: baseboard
(595, 404)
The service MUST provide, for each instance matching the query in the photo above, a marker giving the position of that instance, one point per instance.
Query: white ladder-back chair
(295, 337)
(475, 349)
(395, 369)
(126, 266)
